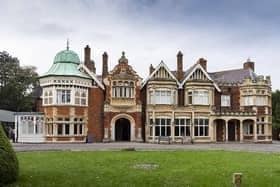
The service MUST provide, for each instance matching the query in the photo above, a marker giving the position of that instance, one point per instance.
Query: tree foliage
(276, 113)
(16, 84)
(8, 161)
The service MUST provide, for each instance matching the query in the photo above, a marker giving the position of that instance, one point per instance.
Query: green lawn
(169, 168)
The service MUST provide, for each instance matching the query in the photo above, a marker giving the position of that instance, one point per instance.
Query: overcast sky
(226, 33)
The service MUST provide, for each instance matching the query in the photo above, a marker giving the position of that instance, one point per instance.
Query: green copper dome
(67, 56)
(66, 63)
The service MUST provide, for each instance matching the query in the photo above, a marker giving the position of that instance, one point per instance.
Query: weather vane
(67, 45)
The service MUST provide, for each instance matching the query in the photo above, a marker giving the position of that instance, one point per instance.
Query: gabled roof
(233, 76)
(92, 75)
(161, 64)
(192, 69)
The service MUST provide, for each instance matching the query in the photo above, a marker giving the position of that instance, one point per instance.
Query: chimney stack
(104, 65)
(249, 65)
(180, 73)
(88, 62)
(151, 69)
(203, 63)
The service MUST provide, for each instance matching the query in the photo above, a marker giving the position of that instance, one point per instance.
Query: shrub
(8, 161)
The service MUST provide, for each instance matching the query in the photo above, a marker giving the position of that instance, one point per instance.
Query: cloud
(224, 32)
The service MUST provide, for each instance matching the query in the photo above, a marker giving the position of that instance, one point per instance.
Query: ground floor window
(248, 128)
(163, 127)
(182, 127)
(66, 127)
(78, 126)
(31, 124)
(201, 127)
(260, 128)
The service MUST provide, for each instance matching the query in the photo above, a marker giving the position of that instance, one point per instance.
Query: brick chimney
(249, 65)
(180, 73)
(151, 69)
(88, 62)
(104, 65)
(203, 63)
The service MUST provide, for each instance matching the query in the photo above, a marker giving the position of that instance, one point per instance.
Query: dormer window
(123, 89)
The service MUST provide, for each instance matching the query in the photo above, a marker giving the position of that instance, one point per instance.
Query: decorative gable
(161, 72)
(198, 74)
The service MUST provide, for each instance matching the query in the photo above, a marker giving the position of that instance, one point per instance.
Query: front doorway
(122, 130)
(233, 130)
(220, 128)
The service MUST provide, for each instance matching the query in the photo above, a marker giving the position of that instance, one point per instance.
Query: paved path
(275, 147)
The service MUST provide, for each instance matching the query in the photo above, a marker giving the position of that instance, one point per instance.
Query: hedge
(9, 169)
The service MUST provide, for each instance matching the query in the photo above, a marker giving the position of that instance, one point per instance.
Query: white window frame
(201, 122)
(162, 126)
(225, 100)
(182, 123)
(200, 97)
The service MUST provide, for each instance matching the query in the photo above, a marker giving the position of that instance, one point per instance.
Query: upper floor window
(48, 97)
(123, 89)
(63, 96)
(161, 97)
(80, 97)
(248, 101)
(260, 100)
(198, 97)
(225, 100)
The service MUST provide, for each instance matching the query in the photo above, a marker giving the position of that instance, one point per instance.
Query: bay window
(161, 97)
(163, 127)
(123, 89)
(63, 96)
(182, 127)
(198, 97)
(201, 127)
(260, 100)
(248, 101)
(48, 97)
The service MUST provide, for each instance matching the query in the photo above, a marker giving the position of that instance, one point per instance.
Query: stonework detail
(185, 105)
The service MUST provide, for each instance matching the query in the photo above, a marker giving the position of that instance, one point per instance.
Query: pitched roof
(192, 69)
(161, 64)
(92, 75)
(233, 76)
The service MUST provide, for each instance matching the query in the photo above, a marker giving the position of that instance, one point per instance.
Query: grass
(173, 168)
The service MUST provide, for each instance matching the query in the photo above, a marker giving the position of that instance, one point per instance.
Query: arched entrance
(233, 130)
(220, 130)
(122, 130)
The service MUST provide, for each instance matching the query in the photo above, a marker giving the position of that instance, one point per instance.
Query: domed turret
(67, 56)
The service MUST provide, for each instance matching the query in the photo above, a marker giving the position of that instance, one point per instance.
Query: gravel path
(274, 147)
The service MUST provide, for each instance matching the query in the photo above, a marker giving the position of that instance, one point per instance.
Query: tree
(9, 169)
(16, 84)
(276, 114)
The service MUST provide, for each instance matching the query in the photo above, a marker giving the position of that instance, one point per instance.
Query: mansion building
(77, 105)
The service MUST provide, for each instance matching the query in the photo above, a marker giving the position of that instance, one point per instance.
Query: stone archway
(220, 129)
(122, 130)
(233, 130)
(120, 123)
